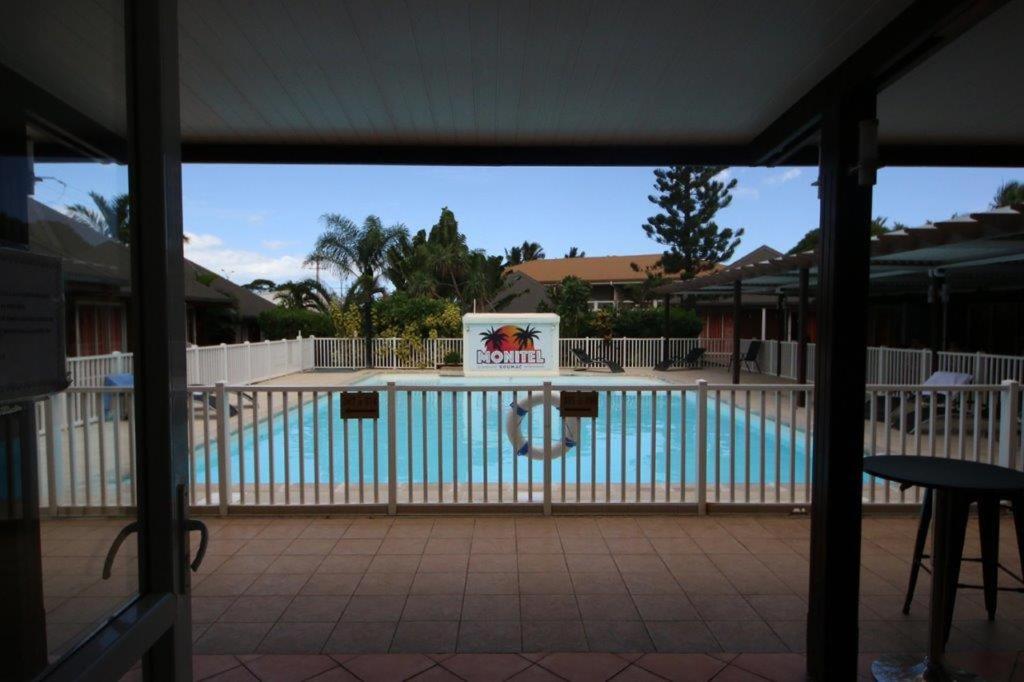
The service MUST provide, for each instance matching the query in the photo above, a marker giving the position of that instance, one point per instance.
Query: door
(94, 534)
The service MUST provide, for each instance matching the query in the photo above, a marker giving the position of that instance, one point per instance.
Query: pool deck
(718, 585)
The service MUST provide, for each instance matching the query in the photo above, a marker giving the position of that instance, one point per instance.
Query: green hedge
(287, 323)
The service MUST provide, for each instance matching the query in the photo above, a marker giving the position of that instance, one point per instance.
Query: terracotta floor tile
(549, 607)
(386, 667)
(490, 636)
(433, 607)
(542, 563)
(745, 635)
(331, 584)
(345, 564)
(681, 667)
(584, 545)
(591, 563)
(360, 637)
(442, 545)
(348, 546)
(535, 673)
(617, 636)
(584, 667)
(207, 665)
(439, 583)
(435, 674)
(493, 563)
(425, 636)
(255, 609)
(239, 674)
(608, 607)
(775, 667)
(492, 583)
(541, 545)
(443, 563)
(488, 607)
(664, 607)
(545, 583)
(315, 609)
(374, 608)
(492, 545)
(289, 668)
(337, 674)
(636, 674)
(485, 667)
(310, 546)
(598, 583)
(231, 638)
(209, 609)
(554, 635)
(722, 607)
(628, 545)
(385, 584)
(278, 584)
(682, 637)
(402, 545)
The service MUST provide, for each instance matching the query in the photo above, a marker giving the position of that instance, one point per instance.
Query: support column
(666, 330)
(737, 309)
(158, 309)
(801, 321)
(839, 386)
(781, 335)
(936, 281)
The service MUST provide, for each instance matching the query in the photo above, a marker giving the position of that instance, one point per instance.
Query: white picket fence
(696, 444)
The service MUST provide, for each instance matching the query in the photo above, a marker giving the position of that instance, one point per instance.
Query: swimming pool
(644, 433)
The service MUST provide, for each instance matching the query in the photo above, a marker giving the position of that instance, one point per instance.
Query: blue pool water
(623, 444)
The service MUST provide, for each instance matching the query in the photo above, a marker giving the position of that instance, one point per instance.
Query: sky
(249, 221)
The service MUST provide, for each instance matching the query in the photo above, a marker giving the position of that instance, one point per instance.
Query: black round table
(956, 485)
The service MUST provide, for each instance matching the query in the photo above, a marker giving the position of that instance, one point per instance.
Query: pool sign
(504, 344)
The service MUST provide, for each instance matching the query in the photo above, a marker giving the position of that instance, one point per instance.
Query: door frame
(156, 626)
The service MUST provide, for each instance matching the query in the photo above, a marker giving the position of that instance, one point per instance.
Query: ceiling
(483, 72)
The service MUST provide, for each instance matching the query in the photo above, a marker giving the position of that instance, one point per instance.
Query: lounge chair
(748, 357)
(587, 361)
(912, 409)
(694, 358)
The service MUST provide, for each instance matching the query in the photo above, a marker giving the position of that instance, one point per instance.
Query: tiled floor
(680, 584)
(546, 667)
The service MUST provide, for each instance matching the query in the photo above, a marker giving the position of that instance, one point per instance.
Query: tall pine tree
(689, 198)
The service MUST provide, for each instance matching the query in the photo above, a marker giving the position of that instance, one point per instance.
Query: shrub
(287, 323)
(648, 322)
(453, 357)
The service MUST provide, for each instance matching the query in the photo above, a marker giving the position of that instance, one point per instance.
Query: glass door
(94, 533)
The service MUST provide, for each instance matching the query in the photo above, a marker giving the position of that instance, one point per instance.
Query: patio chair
(693, 359)
(748, 358)
(912, 409)
(587, 361)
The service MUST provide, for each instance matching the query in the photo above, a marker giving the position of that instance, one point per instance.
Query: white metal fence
(697, 444)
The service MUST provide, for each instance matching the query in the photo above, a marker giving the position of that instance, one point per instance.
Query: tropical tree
(106, 216)
(575, 252)
(359, 252)
(571, 300)
(523, 253)
(260, 285)
(643, 292)
(305, 294)
(1008, 194)
(689, 198)
(809, 241)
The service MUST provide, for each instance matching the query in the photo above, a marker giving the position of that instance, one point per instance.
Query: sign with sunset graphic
(510, 344)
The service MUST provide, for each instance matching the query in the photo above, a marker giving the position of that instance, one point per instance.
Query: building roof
(597, 269)
(976, 251)
(88, 257)
(761, 253)
(521, 294)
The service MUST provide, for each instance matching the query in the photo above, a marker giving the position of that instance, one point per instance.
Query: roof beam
(918, 32)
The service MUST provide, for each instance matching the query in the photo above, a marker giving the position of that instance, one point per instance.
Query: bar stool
(988, 531)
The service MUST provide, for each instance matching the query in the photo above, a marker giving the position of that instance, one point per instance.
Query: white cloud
(240, 265)
(274, 244)
(743, 192)
(784, 176)
(723, 175)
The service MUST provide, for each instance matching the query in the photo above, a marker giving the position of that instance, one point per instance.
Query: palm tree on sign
(526, 336)
(308, 294)
(360, 252)
(493, 338)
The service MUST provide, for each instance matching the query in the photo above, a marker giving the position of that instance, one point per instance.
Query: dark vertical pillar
(737, 309)
(935, 313)
(801, 321)
(158, 306)
(368, 333)
(781, 335)
(839, 390)
(667, 328)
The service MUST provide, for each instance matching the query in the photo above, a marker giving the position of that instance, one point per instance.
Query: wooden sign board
(360, 405)
(578, 403)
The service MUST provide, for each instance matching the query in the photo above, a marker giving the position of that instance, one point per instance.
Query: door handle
(204, 538)
(132, 527)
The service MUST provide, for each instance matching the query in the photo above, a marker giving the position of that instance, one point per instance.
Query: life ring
(514, 422)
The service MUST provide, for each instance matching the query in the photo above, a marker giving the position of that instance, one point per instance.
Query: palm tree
(108, 216)
(493, 338)
(525, 336)
(575, 252)
(359, 251)
(527, 251)
(307, 294)
(1008, 194)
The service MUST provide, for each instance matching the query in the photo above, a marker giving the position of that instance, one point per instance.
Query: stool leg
(922, 536)
(988, 530)
(1017, 504)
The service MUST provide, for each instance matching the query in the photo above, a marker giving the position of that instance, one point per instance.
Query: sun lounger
(587, 361)
(694, 358)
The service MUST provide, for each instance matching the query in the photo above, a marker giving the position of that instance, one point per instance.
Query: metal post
(1009, 413)
(223, 472)
(547, 448)
(55, 415)
(927, 362)
(780, 335)
(702, 447)
(935, 308)
(224, 362)
(801, 358)
(667, 331)
(248, 362)
(834, 581)
(737, 308)
(393, 452)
